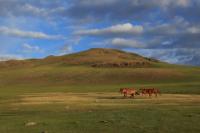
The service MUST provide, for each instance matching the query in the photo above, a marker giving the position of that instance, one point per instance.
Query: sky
(168, 30)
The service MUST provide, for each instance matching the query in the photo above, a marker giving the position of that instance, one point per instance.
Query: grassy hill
(91, 57)
(106, 69)
(103, 58)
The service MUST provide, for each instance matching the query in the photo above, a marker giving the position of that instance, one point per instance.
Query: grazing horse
(150, 92)
(129, 91)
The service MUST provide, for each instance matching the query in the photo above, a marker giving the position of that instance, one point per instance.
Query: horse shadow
(114, 97)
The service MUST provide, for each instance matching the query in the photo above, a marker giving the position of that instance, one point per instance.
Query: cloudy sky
(164, 29)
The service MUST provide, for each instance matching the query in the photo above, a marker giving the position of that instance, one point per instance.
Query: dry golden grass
(105, 99)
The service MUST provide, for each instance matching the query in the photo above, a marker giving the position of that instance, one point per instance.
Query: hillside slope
(104, 58)
(96, 57)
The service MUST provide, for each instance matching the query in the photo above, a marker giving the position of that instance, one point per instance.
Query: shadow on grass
(114, 97)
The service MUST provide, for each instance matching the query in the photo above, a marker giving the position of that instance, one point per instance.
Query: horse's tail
(121, 90)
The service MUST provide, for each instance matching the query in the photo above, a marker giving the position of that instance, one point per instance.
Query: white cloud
(40, 8)
(175, 55)
(133, 3)
(120, 43)
(31, 48)
(181, 3)
(126, 43)
(66, 50)
(125, 29)
(27, 34)
(33, 9)
(193, 30)
(39, 11)
(6, 57)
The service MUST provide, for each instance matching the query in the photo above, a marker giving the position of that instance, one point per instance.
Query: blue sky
(168, 30)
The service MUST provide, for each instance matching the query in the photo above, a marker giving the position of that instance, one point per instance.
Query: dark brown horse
(150, 91)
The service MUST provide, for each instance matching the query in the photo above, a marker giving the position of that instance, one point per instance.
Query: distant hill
(95, 57)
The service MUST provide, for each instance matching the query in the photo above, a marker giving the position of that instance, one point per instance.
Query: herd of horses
(132, 92)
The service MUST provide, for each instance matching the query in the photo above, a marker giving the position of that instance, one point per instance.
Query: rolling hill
(98, 57)
(95, 57)
(96, 67)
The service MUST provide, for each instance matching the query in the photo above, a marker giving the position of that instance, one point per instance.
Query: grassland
(59, 97)
(100, 112)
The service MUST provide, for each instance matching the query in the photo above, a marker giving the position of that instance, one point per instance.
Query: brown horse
(129, 91)
(150, 92)
(143, 92)
(156, 92)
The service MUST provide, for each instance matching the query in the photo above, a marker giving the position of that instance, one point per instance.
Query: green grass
(87, 75)
(182, 80)
(55, 118)
(138, 116)
(139, 120)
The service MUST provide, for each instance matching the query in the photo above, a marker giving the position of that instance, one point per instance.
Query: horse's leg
(132, 95)
(125, 95)
(149, 95)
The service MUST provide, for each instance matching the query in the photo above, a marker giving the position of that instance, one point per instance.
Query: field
(60, 98)
(94, 105)
(99, 112)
